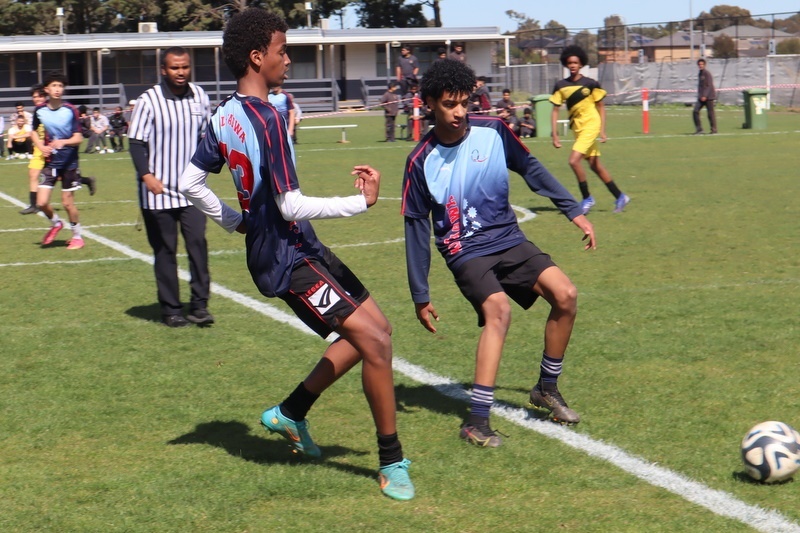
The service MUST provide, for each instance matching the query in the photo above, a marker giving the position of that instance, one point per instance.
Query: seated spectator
(20, 144)
(118, 128)
(2, 136)
(19, 109)
(99, 129)
(527, 126)
(511, 121)
(506, 103)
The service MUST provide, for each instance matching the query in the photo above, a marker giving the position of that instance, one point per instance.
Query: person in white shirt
(97, 137)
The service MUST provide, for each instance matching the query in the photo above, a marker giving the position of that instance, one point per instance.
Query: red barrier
(645, 112)
(417, 106)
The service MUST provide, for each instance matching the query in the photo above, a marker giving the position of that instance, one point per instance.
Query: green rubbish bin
(542, 110)
(755, 109)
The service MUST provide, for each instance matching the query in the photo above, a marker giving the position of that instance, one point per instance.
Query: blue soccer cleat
(395, 482)
(622, 201)
(295, 432)
(587, 204)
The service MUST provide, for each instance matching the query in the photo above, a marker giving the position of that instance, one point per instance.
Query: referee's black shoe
(175, 321)
(201, 317)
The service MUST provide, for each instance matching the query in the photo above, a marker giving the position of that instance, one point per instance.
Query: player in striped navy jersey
(458, 176)
(284, 256)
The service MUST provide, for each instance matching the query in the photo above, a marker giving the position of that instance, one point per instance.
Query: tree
(724, 47)
(722, 16)
(437, 12)
(389, 14)
(788, 46)
(524, 23)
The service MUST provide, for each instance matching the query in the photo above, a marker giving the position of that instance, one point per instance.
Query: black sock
(389, 449)
(612, 188)
(584, 189)
(298, 403)
(477, 421)
(32, 198)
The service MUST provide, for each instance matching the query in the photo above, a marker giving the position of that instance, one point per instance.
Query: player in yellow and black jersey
(587, 118)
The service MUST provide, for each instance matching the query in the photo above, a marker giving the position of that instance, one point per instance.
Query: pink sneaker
(75, 244)
(51, 234)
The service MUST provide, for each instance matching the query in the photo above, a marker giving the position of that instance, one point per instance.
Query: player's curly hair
(577, 51)
(447, 75)
(248, 30)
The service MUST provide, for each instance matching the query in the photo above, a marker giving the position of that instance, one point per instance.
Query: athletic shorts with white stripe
(324, 292)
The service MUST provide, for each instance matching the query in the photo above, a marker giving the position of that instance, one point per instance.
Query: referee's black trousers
(162, 233)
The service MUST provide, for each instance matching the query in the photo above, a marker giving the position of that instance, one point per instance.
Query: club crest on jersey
(477, 157)
(585, 91)
(322, 297)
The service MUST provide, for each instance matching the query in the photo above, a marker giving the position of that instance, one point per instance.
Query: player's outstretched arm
(588, 231)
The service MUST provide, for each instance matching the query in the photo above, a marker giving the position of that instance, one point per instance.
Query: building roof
(207, 39)
(681, 39)
(750, 32)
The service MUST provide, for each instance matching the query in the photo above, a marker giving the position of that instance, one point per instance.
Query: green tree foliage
(524, 23)
(722, 16)
(587, 41)
(788, 46)
(724, 47)
(389, 14)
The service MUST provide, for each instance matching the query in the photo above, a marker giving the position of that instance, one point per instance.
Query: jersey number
(242, 171)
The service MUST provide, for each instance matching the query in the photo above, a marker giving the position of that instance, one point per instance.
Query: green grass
(687, 336)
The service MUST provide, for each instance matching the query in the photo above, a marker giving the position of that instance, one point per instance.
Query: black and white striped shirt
(171, 128)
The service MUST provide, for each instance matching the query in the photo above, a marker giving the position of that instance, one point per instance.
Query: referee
(168, 121)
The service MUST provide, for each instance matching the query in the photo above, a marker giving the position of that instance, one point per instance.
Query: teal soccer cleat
(295, 432)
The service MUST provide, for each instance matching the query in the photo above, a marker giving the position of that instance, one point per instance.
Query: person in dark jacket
(706, 94)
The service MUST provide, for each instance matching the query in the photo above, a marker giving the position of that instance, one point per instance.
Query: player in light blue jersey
(285, 258)
(458, 177)
(59, 145)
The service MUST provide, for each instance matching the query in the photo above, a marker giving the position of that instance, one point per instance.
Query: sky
(582, 13)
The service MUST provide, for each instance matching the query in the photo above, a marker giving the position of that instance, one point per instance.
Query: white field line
(718, 502)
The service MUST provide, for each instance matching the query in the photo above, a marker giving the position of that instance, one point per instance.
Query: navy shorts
(70, 178)
(513, 271)
(324, 292)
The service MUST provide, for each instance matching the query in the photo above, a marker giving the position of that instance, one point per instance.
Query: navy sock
(32, 198)
(389, 449)
(584, 189)
(550, 369)
(298, 403)
(481, 402)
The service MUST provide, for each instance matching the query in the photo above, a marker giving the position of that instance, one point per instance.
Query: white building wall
(360, 61)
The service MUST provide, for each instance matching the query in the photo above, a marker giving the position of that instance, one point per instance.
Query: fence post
(645, 112)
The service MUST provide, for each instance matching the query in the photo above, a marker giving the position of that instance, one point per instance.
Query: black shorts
(513, 271)
(70, 178)
(324, 293)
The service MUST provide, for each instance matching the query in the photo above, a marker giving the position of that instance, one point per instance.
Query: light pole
(60, 17)
(309, 8)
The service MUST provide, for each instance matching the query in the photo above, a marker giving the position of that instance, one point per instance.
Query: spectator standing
(118, 127)
(527, 125)
(2, 136)
(168, 121)
(20, 144)
(706, 94)
(457, 53)
(284, 255)
(391, 104)
(441, 53)
(482, 95)
(506, 103)
(85, 122)
(407, 68)
(284, 103)
(99, 127)
(59, 145)
(19, 109)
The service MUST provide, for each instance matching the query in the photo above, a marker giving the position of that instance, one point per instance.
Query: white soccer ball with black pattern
(771, 452)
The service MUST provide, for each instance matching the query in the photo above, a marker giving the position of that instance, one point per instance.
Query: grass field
(687, 335)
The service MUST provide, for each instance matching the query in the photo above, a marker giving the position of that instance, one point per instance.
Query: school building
(329, 67)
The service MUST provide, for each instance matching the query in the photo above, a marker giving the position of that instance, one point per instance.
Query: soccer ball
(771, 452)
